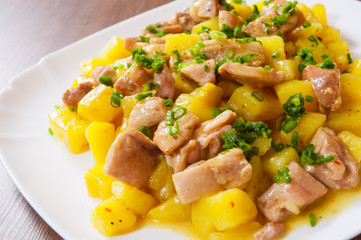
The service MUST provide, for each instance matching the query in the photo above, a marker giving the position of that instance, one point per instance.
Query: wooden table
(31, 29)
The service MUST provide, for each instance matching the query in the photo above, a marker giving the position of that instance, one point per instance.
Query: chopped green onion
(276, 55)
(258, 96)
(282, 175)
(71, 109)
(309, 156)
(218, 35)
(144, 39)
(349, 59)
(205, 67)
(50, 131)
(277, 147)
(116, 98)
(279, 121)
(306, 25)
(106, 80)
(267, 67)
(145, 131)
(57, 107)
(230, 54)
(309, 98)
(160, 53)
(226, 5)
(150, 86)
(312, 219)
(168, 102)
(142, 96)
(173, 130)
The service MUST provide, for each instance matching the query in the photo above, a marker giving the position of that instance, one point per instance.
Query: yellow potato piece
(351, 85)
(355, 67)
(319, 11)
(228, 87)
(114, 49)
(212, 24)
(289, 67)
(112, 218)
(279, 160)
(353, 144)
(242, 232)
(95, 106)
(161, 181)
(100, 136)
(171, 210)
(98, 183)
(258, 183)
(180, 42)
(87, 66)
(271, 45)
(70, 128)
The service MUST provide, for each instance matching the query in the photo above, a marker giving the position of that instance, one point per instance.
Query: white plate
(51, 179)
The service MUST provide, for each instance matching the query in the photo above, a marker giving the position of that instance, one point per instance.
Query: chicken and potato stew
(227, 117)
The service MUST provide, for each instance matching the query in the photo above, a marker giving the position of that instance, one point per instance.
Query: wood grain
(31, 29)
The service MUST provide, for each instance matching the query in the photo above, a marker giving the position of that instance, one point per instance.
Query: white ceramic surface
(51, 178)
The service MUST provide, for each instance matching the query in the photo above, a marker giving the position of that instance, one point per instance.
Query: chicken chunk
(208, 8)
(168, 143)
(222, 172)
(131, 158)
(166, 83)
(200, 73)
(343, 171)
(256, 76)
(151, 50)
(270, 231)
(326, 85)
(229, 19)
(148, 112)
(218, 50)
(132, 81)
(184, 19)
(103, 71)
(282, 199)
(72, 97)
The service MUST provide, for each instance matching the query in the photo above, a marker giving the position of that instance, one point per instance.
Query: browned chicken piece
(282, 199)
(207, 142)
(131, 158)
(157, 40)
(131, 42)
(208, 8)
(218, 50)
(209, 133)
(326, 85)
(151, 50)
(177, 28)
(205, 36)
(186, 155)
(257, 27)
(167, 143)
(225, 171)
(132, 81)
(256, 76)
(229, 19)
(184, 19)
(193, 12)
(166, 83)
(199, 73)
(343, 171)
(72, 97)
(148, 112)
(103, 70)
(270, 231)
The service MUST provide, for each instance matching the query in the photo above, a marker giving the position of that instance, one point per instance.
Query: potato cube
(263, 145)
(172, 210)
(95, 106)
(208, 93)
(315, 29)
(180, 42)
(114, 49)
(258, 182)
(183, 84)
(223, 211)
(346, 118)
(289, 67)
(212, 24)
(307, 13)
(330, 34)
(271, 45)
(112, 217)
(308, 125)
(100, 136)
(353, 144)
(161, 181)
(244, 102)
(279, 160)
(244, 232)
(136, 200)
(351, 85)
(355, 67)
(285, 90)
(98, 183)
(243, 10)
(87, 66)
(70, 128)
(319, 11)
(228, 87)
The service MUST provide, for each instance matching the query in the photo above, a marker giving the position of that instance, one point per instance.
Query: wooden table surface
(30, 29)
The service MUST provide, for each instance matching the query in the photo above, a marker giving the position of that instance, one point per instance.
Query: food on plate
(227, 117)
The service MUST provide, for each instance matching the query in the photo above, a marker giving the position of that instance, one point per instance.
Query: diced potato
(252, 109)
(307, 13)
(171, 210)
(258, 182)
(223, 211)
(183, 84)
(263, 144)
(243, 10)
(127, 104)
(87, 66)
(114, 49)
(308, 126)
(228, 87)
(100, 136)
(330, 34)
(285, 90)
(70, 128)
(136, 200)
(95, 106)
(319, 11)
(271, 45)
(346, 118)
(279, 160)
(353, 144)
(338, 52)
(180, 42)
(98, 183)
(112, 217)
(315, 29)
(290, 49)
(201, 100)
(161, 181)
(289, 67)
(355, 67)
(351, 85)
(241, 232)
(212, 24)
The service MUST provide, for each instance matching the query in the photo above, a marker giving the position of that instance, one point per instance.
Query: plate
(51, 178)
